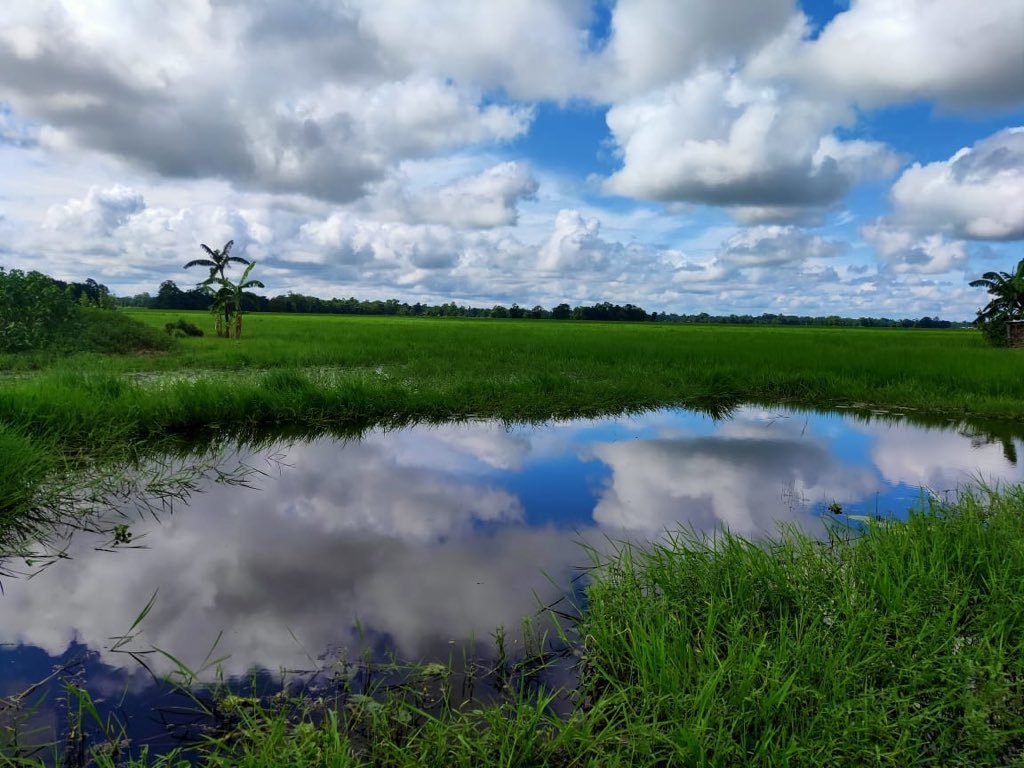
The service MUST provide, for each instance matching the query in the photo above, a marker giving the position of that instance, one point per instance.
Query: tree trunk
(238, 324)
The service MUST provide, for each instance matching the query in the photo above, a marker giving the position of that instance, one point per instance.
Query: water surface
(419, 542)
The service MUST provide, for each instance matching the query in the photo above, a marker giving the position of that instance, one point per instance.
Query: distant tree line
(170, 296)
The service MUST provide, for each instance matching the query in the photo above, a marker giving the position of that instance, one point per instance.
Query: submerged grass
(902, 645)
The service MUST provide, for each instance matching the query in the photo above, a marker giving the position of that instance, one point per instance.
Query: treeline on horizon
(170, 297)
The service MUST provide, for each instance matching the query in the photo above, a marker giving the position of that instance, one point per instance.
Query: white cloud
(259, 95)
(530, 48)
(938, 459)
(956, 52)
(776, 246)
(482, 200)
(574, 245)
(906, 250)
(370, 148)
(100, 212)
(977, 194)
(715, 139)
(655, 42)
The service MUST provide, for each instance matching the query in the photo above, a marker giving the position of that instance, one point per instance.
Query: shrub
(37, 312)
(33, 310)
(994, 330)
(182, 327)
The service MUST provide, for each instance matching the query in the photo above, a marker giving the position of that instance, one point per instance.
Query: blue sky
(860, 158)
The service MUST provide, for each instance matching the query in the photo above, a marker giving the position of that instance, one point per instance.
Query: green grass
(905, 647)
(901, 646)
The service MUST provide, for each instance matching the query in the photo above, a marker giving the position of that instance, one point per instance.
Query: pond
(418, 543)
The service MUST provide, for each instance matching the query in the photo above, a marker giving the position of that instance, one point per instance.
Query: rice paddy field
(884, 642)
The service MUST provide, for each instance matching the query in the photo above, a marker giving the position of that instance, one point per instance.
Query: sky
(814, 157)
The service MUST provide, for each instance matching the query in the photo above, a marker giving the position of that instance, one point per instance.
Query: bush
(37, 312)
(33, 310)
(182, 328)
(994, 330)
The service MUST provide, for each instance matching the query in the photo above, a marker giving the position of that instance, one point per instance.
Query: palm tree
(218, 262)
(230, 297)
(1007, 302)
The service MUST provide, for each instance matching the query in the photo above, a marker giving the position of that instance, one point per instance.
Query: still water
(419, 541)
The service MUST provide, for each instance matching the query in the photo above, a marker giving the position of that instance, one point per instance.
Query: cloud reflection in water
(420, 536)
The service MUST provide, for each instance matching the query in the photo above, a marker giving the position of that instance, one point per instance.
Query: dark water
(420, 542)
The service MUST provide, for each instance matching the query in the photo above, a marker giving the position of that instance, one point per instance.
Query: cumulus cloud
(776, 246)
(192, 97)
(716, 140)
(903, 250)
(977, 194)
(882, 52)
(333, 540)
(938, 459)
(575, 244)
(347, 239)
(489, 198)
(305, 128)
(101, 211)
(654, 42)
(530, 48)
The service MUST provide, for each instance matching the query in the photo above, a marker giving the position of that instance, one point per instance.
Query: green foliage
(1007, 302)
(219, 260)
(182, 327)
(36, 313)
(230, 298)
(34, 310)
(993, 329)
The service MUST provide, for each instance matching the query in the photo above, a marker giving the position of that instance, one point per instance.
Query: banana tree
(221, 309)
(219, 260)
(1007, 300)
(230, 297)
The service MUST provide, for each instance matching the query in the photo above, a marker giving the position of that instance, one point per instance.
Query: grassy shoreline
(900, 646)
